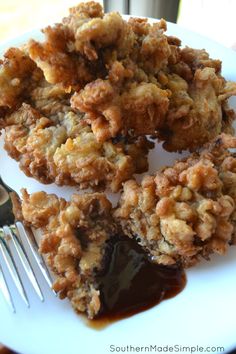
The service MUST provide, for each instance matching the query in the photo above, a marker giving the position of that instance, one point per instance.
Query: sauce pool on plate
(130, 282)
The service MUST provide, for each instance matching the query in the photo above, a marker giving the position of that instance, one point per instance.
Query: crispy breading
(17, 75)
(85, 10)
(198, 59)
(196, 113)
(155, 49)
(73, 240)
(179, 215)
(57, 56)
(54, 144)
(100, 33)
(144, 107)
(98, 78)
(110, 113)
(55, 60)
(185, 211)
(158, 88)
(64, 150)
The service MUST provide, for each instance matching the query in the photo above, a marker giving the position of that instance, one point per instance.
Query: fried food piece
(198, 109)
(73, 240)
(55, 60)
(84, 10)
(110, 112)
(199, 59)
(70, 53)
(186, 211)
(57, 56)
(181, 214)
(155, 50)
(144, 107)
(55, 144)
(97, 78)
(64, 150)
(85, 48)
(152, 51)
(179, 99)
(17, 75)
(124, 102)
(103, 32)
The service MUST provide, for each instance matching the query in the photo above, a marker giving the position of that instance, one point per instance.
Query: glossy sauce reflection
(131, 283)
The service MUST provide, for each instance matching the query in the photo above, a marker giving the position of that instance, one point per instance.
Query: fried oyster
(186, 211)
(198, 109)
(182, 214)
(77, 107)
(127, 77)
(143, 81)
(52, 142)
(73, 240)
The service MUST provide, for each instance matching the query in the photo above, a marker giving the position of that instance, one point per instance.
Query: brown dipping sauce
(130, 282)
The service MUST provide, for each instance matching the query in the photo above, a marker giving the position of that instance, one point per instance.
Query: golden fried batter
(64, 150)
(101, 33)
(131, 99)
(57, 56)
(76, 110)
(76, 107)
(74, 236)
(52, 142)
(110, 113)
(55, 60)
(186, 211)
(181, 214)
(17, 75)
(197, 110)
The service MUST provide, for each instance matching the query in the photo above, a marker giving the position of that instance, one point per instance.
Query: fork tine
(5, 291)
(11, 265)
(24, 260)
(30, 239)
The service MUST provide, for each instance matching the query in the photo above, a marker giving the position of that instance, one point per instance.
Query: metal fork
(13, 238)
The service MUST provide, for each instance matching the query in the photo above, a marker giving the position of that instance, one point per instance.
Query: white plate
(204, 314)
